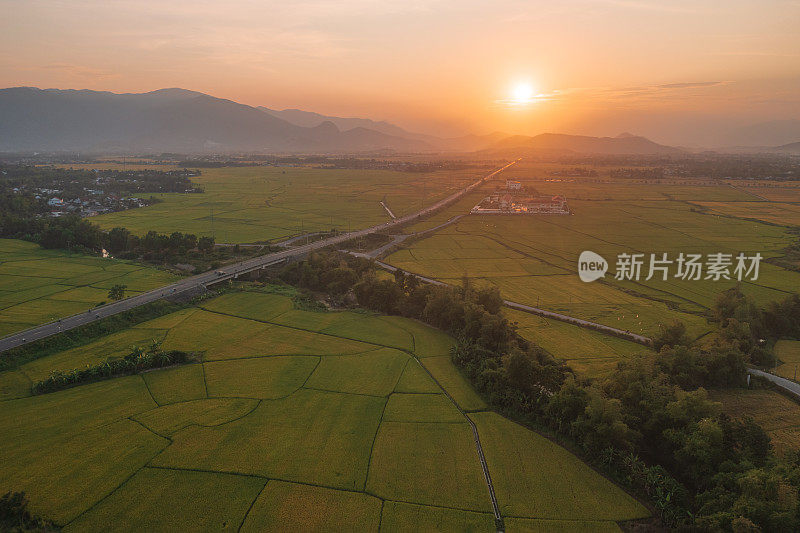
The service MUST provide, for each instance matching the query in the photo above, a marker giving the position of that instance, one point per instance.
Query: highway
(224, 273)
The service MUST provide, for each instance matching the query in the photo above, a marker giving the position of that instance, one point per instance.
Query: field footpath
(228, 272)
(498, 518)
(397, 239)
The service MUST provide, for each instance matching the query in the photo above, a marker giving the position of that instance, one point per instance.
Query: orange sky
(668, 69)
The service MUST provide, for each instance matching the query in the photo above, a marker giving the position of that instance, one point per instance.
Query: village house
(514, 198)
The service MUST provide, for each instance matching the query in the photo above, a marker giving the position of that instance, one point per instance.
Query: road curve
(225, 273)
(537, 311)
(789, 386)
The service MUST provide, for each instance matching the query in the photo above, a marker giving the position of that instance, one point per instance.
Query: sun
(521, 93)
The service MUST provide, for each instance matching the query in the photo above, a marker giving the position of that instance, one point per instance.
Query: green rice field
(291, 419)
(788, 354)
(776, 413)
(533, 259)
(253, 204)
(38, 285)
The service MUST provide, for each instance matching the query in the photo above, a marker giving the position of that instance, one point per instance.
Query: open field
(356, 439)
(777, 414)
(788, 353)
(533, 259)
(781, 191)
(248, 204)
(785, 214)
(518, 458)
(38, 285)
(588, 352)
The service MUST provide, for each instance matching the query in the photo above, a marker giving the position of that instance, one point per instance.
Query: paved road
(397, 239)
(789, 386)
(225, 273)
(541, 312)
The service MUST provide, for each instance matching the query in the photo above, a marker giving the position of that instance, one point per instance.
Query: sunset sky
(678, 71)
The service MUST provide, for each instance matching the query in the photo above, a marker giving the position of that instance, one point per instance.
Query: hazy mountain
(560, 143)
(791, 148)
(773, 133)
(309, 119)
(466, 143)
(175, 120)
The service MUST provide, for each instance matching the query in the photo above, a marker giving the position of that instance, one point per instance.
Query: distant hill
(792, 148)
(465, 143)
(773, 133)
(560, 143)
(175, 120)
(309, 119)
(183, 121)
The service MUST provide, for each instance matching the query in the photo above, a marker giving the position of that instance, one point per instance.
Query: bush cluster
(138, 360)
(16, 518)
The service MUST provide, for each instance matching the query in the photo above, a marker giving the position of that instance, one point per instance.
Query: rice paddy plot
(247, 204)
(89, 445)
(315, 320)
(421, 408)
(229, 337)
(283, 506)
(536, 478)
(315, 437)
(255, 305)
(373, 329)
(90, 464)
(38, 285)
(785, 214)
(450, 379)
(431, 463)
(407, 517)
(170, 500)
(533, 259)
(91, 405)
(589, 352)
(178, 384)
(374, 373)
(783, 191)
(114, 346)
(427, 341)
(788, 354)
(259, 377)
(168, 419)
(14, 384)
(415, 379)
(777, 414)
(381, 447)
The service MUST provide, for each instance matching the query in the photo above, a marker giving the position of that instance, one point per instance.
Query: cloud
(690, 85)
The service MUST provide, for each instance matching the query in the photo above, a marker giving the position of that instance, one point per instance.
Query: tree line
(138, 360)
(19, 220)
(650, 424)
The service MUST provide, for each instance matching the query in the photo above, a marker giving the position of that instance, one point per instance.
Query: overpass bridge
(228, 272)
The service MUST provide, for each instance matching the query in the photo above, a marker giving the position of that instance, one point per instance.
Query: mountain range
(184, 121)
